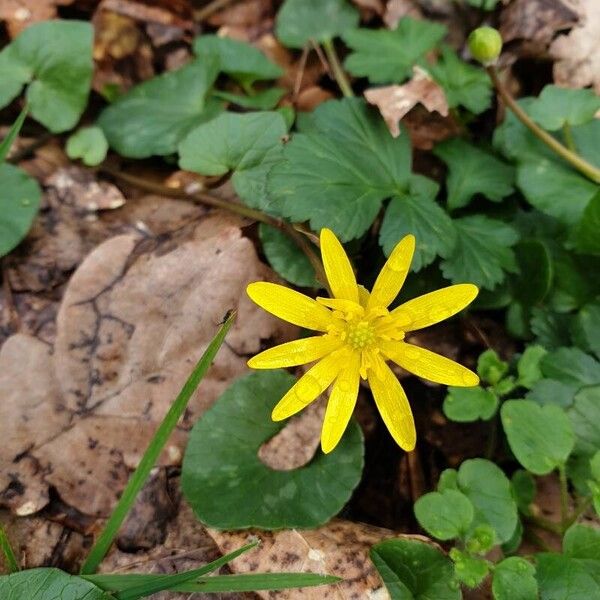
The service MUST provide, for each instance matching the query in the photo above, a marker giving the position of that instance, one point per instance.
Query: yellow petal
(290, 305)
(393, 406)
(363, 296)
(392, 275)
(309, 387)
(298, 352)
(434, 307)
(340, 405)
(337, 267)
(429, 365)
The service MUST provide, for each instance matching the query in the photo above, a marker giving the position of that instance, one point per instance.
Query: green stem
(576, 161)
(564, 496)
(585, 504)
(543, 523)
(9, 556)
(245, 211)
(568, 135)
(163, 433)
(338, 73)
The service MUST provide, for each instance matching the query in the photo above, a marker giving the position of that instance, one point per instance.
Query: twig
(240, 209)
(210, 9)
(300, 72)
(584, 167)
(336, 67)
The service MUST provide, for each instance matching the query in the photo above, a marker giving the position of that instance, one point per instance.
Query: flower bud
(485, 44)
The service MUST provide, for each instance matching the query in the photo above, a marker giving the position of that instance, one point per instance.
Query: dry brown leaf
(396, 9)
(577, 54)
(339, 548)
(134, 318)
(376, 6)
(19, 14)
(395, 101)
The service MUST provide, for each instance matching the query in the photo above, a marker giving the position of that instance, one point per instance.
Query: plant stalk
(564, 497)
(337, 70)
(576, 161)
(10, 559)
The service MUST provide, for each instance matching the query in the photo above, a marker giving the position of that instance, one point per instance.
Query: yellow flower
(358, 335)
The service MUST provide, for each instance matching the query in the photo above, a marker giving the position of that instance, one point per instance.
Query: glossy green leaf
(300, 21)
(585, 234)
(465, 405)
(222, 471)
(242, 61)
(89, 144)
(55, 59)
(445, 515)
(514, 579)
(541, 437)
(488, 488)
(386, 56)
(585, 328)
(490, 367)
(414, 570)
(464, 84)
(154, 116)
(48, 584)
(238, 143)
(19, 205)
(340, 170)
(528, 366)
(418, 213)
(571, 365)
(286, 258)
(263, 100)
(563, 578)
(12, 134)
(585, 417)
(469, 570)
(551, 329)
(536, 271)
(524, 490)
(582, 541)
(448, 480)
(557, 106)
(551, 391)
(482, 254)
(473, 171)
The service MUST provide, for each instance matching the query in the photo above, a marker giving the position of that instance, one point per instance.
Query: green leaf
(221, 458)
(480, 540)
(571, 365)
(414, 570)
(417, 212)
(448, 480)
(573, 287)
(19, 205)
(585, 417)
(286, 258)
(585, 233)
(465, 405)
(48, 584)
(524, 489)
(541, 437)
(528, 366)
(551, 391)
(514, 579)
(473, 171)
(585, 328)
(484, 5)
(534, 280)
(338, 173)
(595, 466)
(89, 144)
(300, 21)
(386, 56)
(13, 132)
(555, 189)
(551, 329)
(488, 488)
(238, 143)
(490, 367)
(243, 62)
(464, 84)
(563, 578)
(469, 570)
(263, 100)
(55, 59)
(155, 115)
(557, 106)
(445, 515)
(482, 253)
(582, 541)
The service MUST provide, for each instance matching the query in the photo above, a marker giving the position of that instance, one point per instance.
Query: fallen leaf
(372, 6)
(134, 318)
(19, 14)
(577, 53)
(396, 9)
(395, 101)
(426, 129)
(339, 548)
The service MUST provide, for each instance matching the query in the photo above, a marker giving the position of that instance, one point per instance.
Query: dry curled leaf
(395, 101)
(577, 53)
(134, 318)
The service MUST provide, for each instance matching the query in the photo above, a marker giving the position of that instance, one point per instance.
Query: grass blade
(140, 475)
(7, 142)
(9, 556)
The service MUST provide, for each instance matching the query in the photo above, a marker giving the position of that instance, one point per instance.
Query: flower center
(360, 334)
